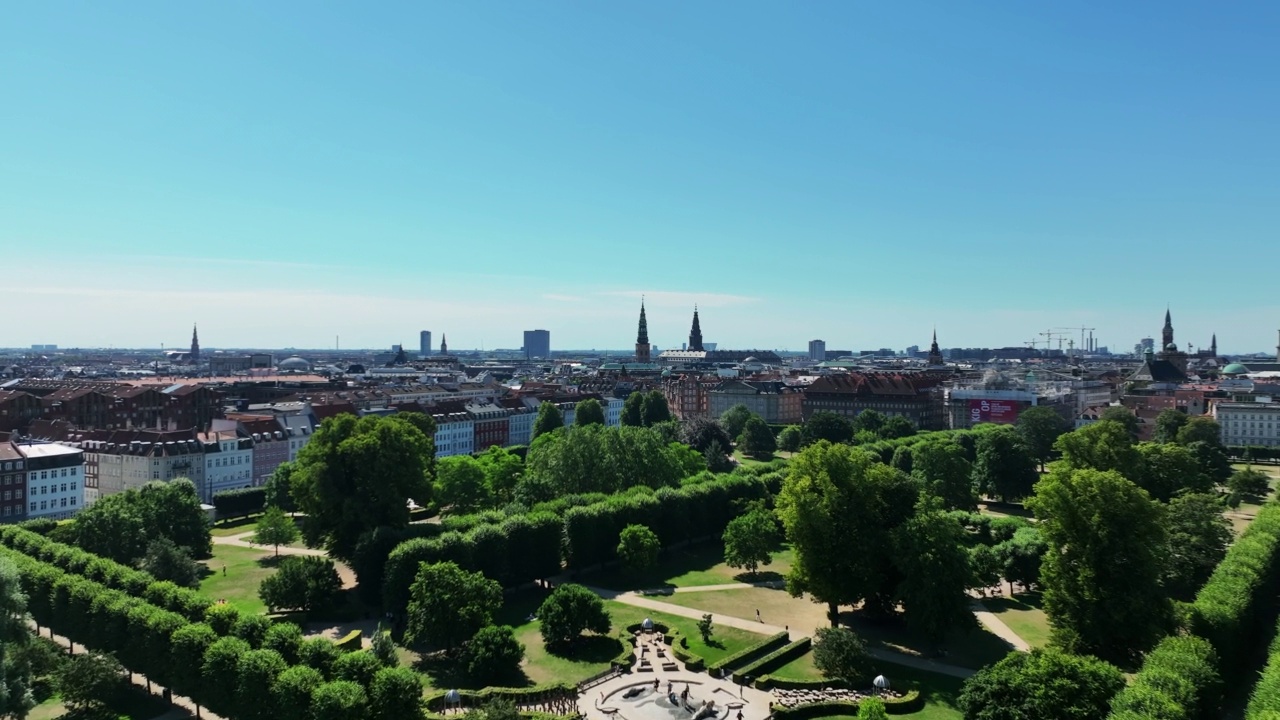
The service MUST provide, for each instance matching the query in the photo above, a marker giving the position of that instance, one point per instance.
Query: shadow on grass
(235, 523)
(975, 648)
(447, 670)
(673, 562)
(759, 576)
(1023, 601)
(1004, 508)
(588, 649)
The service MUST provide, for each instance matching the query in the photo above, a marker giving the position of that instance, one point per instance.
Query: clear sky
(288, 172)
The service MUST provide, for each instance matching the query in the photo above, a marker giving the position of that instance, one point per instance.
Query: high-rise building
(817, 350)
(424, 343)
(537, 344)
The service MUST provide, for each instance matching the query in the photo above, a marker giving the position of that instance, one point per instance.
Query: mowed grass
(777, 607)
(802, 668)
(246, 568)
(690, 566)
(1024, 615)
(940, 691)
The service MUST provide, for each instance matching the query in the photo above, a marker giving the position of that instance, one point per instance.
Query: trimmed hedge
(773, 660)
(1264, 702)
(239, 503)
(349, 642)
(1233, 608)
(750, 654)
(1181, 672)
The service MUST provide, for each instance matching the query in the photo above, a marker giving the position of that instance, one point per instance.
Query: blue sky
(286, 172)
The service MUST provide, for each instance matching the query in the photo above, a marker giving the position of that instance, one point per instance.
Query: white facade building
(613, 411)
(1249, 423)
(228, 463)
(455, 434)
(55, 480)
(121, 463)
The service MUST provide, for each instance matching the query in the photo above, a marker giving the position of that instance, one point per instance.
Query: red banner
(1004, 412)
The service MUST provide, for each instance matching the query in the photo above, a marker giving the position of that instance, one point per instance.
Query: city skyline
(858, 173)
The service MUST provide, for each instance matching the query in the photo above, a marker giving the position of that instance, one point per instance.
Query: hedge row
(748, 654)
(910, 702)
(436, 704)
(239, 503)
(1233, 609)
(773, 660)
(1264, 702)
(135, 583)
(1178, 679)
(255, 670)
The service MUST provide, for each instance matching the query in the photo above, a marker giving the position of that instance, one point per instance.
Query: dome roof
(752, 359)
(1171, 347)
(1235, 369)
(294, 363)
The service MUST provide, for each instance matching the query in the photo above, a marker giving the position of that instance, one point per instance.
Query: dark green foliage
(600, 459)
(448, 604)
(384, 648)
(1198, 539)
(700, 433)
(934, 566)
(359, 667)
(16, 669)
(292, 691)
(757, 439)
(166, 561)
(1213, 459)
(588, 412)
(187, 649)
(395, 694)
(319, 654)
(716, 456)
(631, 410)
(358, 474)
(1124, 416)
(839, 653)
(252, 629)
(257, 675)
(277, 491)
(570, 610)
(1042, 684)
(903, 459)
(751, 539)
(284, 638)
(493, 655)
(871, 421)
(1168, 423)
(339, 700)
(1249, 483)
(654, 410)
(790, 439)
(239, 503)
(1041, 427)
(638, 547)
(944, 473)
(222, 618)
(275, 528)
(705, 627)
(1165, 470)
(549, 420)
(1103, 445)
(897, 427)
(1021, 556)
(1179, 679)
(461, 485)
(221, 674)
(1200, 429)
(823, 425)
(120, 526)
(90, 682)
(735, 419)
(1004, 468)
(303, 582)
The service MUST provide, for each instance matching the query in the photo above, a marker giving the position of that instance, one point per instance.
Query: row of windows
(45, 504)
(46, 489)
(13, 494)
(65, 472)
(13, 465)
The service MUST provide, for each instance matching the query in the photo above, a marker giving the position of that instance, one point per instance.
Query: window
(64, 487)
(64, 502)
(73, 501)
(18, 493)
(33, 507)
(74, 471)
(44, 504)
(44, 474)
(8, 511)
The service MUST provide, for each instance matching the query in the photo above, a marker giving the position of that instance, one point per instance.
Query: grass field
(1023, 614)
(691, 566)
(246, 568)
(940, 691)
(134, 704)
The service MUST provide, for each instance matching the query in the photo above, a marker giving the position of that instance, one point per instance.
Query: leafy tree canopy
(569, 611)
(735, 418)
(549, 418)
(275, 528)
(824, 425)
(588, 412)
(638, 547)
(1041, 427)
(751, 539)
(447, 604)
(1044, 684)
(839, 654)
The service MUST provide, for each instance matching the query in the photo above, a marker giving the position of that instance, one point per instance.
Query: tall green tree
(502, 470)
(1164, 470)
(600, 459)
(945, 473)
(15, 674)
(839, 654)
(1103, 445)
(930, 553)
(493, 655)
(395, 694)
(751, 539)
(638, 547)
(654, 409)
(301, 583)
(339, 700)
(278, 487)
(588, 412)
(1045, 684)
(1124, 416)
(790, 439)
(293, 689)
(824, 425)
(549, 418)
(256, 675)
(1198, 540)
(1249, 483)
(1168, 423)
(1041, 427)
(870, 421)
(569, 611)
(701, 433)
(168, 561)
(735, 418)
(460, 485)
(1102, 574)
(358, 474)
(275, 528)
(1213, 460)
(1004, 468)
(447, 604)
(897, 427)
(120, 526)
(757, 439)
(91, 682)
(632, 414)
(1200, 429)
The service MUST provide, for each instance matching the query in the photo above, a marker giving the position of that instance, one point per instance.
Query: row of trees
(594, 458)
(122, 525)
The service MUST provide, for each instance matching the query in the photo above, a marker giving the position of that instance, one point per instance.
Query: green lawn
(690, 566)
(940, 691)
(725, 641)
(777, 607)
(134, 704)
(245, 569)
(1023, 614)
(802, 668)
(234, 527)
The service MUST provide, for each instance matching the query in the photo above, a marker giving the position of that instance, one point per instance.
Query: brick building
(917, 397)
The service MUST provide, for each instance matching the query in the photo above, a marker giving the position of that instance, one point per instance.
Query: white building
(1249, 423)
(613, 411)
(455, 434)
(126, 460)
(55, 480)
(228, 463)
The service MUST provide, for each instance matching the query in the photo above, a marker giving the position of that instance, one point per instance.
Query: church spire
(642, 337)
(194, 356)
(935, 353)
(695, 333)
(1167, 333)
(444, 344)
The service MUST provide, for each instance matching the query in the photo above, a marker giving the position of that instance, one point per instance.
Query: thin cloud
(667, 298)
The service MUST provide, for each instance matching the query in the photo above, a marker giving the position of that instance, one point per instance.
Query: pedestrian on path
(758, 615)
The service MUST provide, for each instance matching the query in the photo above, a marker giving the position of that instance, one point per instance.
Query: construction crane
(1084, 347)
(1049, 335)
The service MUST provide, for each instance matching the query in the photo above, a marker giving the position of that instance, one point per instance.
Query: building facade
(228, 462)
(776, 402)
(455, 433)
(424, 343)
(818, 350)
(917, 398)
(13, 484)
(1249, 423)
(55, 480)
(537, 344)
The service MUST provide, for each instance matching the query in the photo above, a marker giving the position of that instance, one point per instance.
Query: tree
(757, 439)
(1101, 576)
(549, 419)
(790, 439)
(654, 409)
(588, 412)
(15, 673)
(871, 421)
(339, 700)
(705, 628)
(1168, 423)
(934, 563)
(359, 667)
(187, 647)
(897, 427)
(1198, 540)
(945, 473)
(1213, 460)
(717, 458)
(384, 648)
(167, 561)
(700, 433)
(638, 547)
(570, 610)
(751, 539)
(293, 689)
(839, 654)
(277, 487)
(502, 469)
(836, 497)
(120, 526)
(1045, 684)
(358, 474)
(872, 708)
(632, 415)
(319, 654)
(286, 639)
(303, 582)
(1041, 426)
(1103, 445)
(1004, 468)
(824, 425)
(448, 604)
(257, 674)
(460, 484)
(1021, 557)
(601, 459)
(1164, 470)
(1249, 483)
(1124, 416)
(220, 673)
(396, 694)
(1200, 429)
(252, 629)
(275, 528)
(493, 655)
(735, 418)
(985, 567)
(903, 459)
(90, 682)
